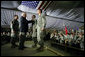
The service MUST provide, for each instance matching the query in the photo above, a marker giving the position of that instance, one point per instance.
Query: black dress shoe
(40, 49)
(16, 45)
(24, 47)
(21, 48)
(12, 46)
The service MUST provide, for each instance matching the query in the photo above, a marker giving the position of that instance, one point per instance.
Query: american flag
(36, 4)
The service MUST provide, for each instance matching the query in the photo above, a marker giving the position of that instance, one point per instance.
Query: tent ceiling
(10, 4)
(59, 13)
(59, 4)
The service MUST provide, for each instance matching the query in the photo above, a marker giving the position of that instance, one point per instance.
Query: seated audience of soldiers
(73, 38)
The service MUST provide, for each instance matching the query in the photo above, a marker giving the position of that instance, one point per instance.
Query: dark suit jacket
(24, 24)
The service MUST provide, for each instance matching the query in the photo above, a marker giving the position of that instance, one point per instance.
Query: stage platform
(6, 50)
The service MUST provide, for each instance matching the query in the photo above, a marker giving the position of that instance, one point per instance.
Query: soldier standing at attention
(41, 23)
(34, 31)
(14, 31)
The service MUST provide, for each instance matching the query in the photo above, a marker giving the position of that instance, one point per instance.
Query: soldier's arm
(43, 22)
(14, 26)
(12, 23)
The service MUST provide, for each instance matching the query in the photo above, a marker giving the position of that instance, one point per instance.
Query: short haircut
(34, 16)
(23, 13)
(40, 10)
(15, 15)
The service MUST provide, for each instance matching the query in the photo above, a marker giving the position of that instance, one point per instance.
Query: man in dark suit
(23, 30)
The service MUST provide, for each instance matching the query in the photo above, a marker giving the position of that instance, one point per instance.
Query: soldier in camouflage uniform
(34, 31)
(41, 23)
(14, 31)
